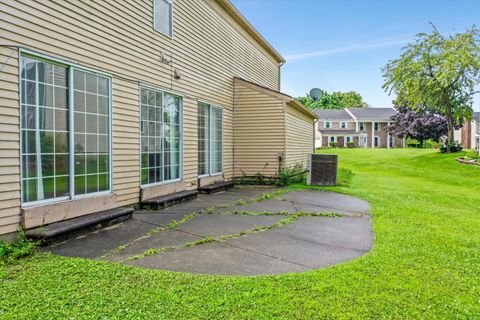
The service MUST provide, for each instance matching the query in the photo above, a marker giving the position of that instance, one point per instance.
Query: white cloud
(351, 48)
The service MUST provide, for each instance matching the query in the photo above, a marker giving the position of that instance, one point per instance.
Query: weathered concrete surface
(328, 200)
(98, 243)
(307, 243)
(313, 242)
(273, 205)
(214, 225)
(217, 258)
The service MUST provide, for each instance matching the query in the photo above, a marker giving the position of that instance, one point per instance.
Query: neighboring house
(107, 103)
(469, 135)
(359, 127)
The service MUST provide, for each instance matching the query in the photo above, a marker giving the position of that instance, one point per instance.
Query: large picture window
(160, 136)
(51, 165)
(210, 140)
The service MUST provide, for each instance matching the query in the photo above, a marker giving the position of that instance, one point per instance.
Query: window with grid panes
(210, 139)
(46, 128)
(160, 136)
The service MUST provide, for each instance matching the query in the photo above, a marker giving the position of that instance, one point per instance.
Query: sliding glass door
(160, 137)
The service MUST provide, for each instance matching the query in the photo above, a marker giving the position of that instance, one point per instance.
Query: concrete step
(169, 199)
(60, 231)
(217, 187)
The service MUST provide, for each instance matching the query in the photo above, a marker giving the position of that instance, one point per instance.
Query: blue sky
(341, 45)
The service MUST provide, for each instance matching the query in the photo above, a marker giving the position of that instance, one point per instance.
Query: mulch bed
(468, 161)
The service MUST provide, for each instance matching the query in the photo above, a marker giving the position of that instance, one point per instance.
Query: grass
(425, 263)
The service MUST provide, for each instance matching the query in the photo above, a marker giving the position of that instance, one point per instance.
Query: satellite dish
(316, 94)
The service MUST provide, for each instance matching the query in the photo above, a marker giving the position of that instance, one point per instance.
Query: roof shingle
(332, 114)
(372, 113)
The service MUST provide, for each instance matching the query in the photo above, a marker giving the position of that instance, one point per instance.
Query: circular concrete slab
(242, 240)
(307, 243)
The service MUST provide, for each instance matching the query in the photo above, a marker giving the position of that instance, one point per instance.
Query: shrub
(453, 147)
(294, 174)
(472, 155)
(351, 144)
(21, 247)
(334, 144)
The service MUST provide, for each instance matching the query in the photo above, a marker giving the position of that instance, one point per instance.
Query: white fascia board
(351, 114)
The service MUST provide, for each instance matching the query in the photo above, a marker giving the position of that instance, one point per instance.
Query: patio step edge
(66, 229)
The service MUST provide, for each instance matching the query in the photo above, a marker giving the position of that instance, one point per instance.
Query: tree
(438, 73)
(336, 100)
(419, 125)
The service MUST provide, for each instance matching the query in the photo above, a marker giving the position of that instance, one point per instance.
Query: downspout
(233, 132)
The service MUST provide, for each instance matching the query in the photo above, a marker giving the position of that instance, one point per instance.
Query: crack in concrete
(267, 255)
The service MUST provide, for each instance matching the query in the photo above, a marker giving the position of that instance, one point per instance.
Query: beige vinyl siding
(208, 49)
(299, 136)
(9, 142)
(259, 130)
(125, 141)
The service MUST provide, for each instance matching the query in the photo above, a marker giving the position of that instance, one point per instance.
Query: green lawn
(425, 262)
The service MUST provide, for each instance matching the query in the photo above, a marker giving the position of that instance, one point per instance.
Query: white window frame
(210, 173)
(329, 124)
(343, 125)
(361, 126)
(171, 18)
(330, 138)
(180, 178)
(378, 141)
(71, 135)
(345, 141)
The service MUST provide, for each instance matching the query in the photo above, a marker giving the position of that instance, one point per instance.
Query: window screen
(163, 16)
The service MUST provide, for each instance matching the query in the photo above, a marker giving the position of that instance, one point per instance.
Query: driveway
(245, 231)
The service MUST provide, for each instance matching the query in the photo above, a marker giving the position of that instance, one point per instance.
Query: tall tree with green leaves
(336, 100)
(438, 73)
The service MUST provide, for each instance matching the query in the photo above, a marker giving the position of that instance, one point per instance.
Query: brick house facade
(357, 127)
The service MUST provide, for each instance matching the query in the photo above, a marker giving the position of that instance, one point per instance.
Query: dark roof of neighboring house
(337, 131)
(332, 114)
(372, 113)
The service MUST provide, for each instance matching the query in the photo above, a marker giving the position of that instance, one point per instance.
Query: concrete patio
(222, 235)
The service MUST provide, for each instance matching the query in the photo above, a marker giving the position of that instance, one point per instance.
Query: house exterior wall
(466, 136)
(299, 142)
(336, 124)
(368, 131)
(208, 49)
(356, 142)
(259, 134)
(382, 134)
(318, 137)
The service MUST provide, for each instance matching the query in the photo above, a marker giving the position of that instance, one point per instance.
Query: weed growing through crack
(280, 223)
